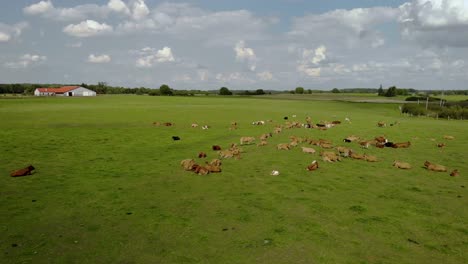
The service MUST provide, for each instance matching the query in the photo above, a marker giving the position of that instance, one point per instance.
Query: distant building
(64, 91)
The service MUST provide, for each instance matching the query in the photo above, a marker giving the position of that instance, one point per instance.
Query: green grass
(109, 187)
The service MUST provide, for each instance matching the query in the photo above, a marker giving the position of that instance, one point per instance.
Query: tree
(380, 92)
(224, 91)
(259, 92)
(299, 90)
(165, 90)
(391, 92)
(335, 90)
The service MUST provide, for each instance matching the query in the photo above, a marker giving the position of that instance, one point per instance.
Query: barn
(64, 91)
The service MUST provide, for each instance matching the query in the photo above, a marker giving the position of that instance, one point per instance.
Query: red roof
(62, 89)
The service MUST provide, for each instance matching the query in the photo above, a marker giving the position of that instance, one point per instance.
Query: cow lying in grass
(434, 167)
(401, 145)
(23, 172)
(283, 146)
(187, 164)
(201, 155)
(313, 166)
(344, 152)
(246, 140)
(401, 165)
(455, 173)
(308, 150)
(449, 137)
(370, 158)
(330, 156)
(216, 147)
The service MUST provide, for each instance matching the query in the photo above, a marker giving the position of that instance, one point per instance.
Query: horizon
(207, 44)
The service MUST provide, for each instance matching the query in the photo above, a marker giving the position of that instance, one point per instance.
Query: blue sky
(206, 44)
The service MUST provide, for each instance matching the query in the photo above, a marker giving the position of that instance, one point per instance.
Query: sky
(242, 44)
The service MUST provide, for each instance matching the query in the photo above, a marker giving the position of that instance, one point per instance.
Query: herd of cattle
(328, 151)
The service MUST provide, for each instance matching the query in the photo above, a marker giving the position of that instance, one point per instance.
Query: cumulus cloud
(104, 58)
(25, 61)
(245, 54)
(150, 56)
(351, 27)
(311, 61)
(39, 8)
(47, 10)
(439, 22)
(87, 28)
(139, 10)
(265, 76)
(118, 6)
(9, 32)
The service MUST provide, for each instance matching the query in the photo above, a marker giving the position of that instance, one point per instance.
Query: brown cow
(313, 166)
(200, 170)
(215, 162)
(358, 156)
(168, 124)
(283, 146)
(401, 145)
(23, 172)
(216, 147)
(202, 155)
(370, 158)
(441, 145)
(449, 137)
(434, 167)
(308, 150)
(402, 165)
(454, 173)
(246, 140)
(381, 124)
(212, 168)
(330, 156)
(187, 164)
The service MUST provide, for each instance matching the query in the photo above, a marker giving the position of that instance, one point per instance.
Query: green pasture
(109, 188)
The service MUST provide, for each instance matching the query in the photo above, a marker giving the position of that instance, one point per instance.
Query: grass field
(108, 186)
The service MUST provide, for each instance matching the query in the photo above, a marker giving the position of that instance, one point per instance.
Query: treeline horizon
(103, 88)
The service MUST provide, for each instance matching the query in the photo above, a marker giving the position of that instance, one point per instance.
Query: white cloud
(39, 8)
(87, 28)
(4, 37)
(9, 32)
(311, 61)
(265, 76)
(150, 56)
(435, 22)
(25, 61)
(245, 54)
(99, 58)
(47, 10)
(140, 10)
(118, 6)
(351, 28)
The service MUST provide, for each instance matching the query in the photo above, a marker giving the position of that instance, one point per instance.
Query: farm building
(64, 91)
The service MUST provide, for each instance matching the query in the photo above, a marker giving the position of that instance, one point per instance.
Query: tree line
(104, 88)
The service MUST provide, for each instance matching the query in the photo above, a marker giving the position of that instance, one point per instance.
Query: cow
(187, 164)
(370, 158)
(262, 143)
(449, 137)
(175, 138)
(308, 150)
(330, 156)
(216, 147)
(200, 170)
(201, 155)
(225, 154)
(194, 125)
(283, 146)
(454, 173)
(277, 130)
(336, 122)
(246, 140)
(388, 144)
(366, 143)
(381, 124)
(258, 123)
(441, 145)
(401, 165)
(434, 167)
(351, 138)
(215, 162)
(274, 173)
(204, 127)
(344, 152)
(265, 136)
(380, 139)
(313, 166)
(285, 118)
(358, 156)
(401, 145)
(168, 124)
(156, 124)
(23, 172)
(212, 168)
